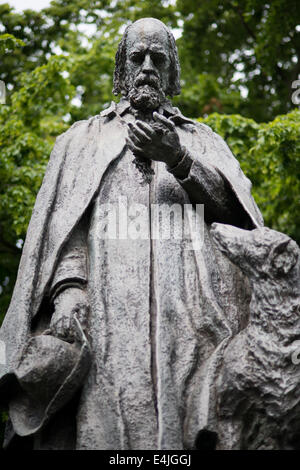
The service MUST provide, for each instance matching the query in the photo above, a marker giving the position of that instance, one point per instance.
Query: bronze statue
(119, 342)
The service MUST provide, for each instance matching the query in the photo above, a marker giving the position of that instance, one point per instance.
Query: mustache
(146, 97)
(151, 80)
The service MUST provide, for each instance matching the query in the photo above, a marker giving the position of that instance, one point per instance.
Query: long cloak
(79, 160)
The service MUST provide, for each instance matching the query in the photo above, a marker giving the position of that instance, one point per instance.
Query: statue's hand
(158, 141)
(70, 302)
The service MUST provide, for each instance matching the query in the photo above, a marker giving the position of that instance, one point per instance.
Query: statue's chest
(124, 180)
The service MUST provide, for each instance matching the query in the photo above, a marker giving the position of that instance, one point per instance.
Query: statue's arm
(43, 385)
(205, 183)
(71, 267)
(198, 168)
(68, 288)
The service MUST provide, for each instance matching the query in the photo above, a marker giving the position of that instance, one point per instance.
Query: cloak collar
(166, 109)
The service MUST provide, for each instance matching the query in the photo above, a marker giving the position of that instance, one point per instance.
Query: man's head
(147, 66)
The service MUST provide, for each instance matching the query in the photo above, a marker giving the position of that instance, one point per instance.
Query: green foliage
(238, 59)
(8, 43)
(28, 126)
(67, 51)
(252, 44)
(236, 56)
(203, 95)
(269, 155)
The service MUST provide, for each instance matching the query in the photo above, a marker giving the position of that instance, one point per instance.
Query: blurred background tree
(239, 60)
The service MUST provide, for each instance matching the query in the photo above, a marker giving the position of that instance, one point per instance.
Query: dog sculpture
(258, 387)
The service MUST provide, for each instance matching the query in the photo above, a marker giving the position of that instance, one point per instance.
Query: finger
(135, 139)
(65, 325)
(146, 128)
(140, 134)
(56, 324)
(132, 133)
(159, 118)
(135, 149)
(57, 330)
(82, 314)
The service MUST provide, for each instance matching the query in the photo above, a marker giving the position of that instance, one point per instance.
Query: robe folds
(160, 315)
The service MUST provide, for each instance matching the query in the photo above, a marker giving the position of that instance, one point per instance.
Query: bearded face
(147, 65)
(145, 92)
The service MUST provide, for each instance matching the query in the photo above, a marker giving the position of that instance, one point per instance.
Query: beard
(146, 93)
(145, 97)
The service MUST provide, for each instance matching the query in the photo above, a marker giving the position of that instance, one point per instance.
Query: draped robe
(160, 314)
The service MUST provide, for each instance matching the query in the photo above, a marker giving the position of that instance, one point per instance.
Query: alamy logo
(133, 221)
(296, 94)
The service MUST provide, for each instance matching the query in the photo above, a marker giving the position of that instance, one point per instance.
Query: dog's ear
(284, 257)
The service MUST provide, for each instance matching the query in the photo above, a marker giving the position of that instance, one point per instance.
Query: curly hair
(120, 60)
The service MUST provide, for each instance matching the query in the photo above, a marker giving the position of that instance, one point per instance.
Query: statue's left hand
(70, 302)
(159, 141)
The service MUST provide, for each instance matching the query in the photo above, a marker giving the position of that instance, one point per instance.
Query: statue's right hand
(70, 302)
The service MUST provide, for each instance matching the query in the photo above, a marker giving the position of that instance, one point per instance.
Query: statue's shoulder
(207, 133)
(180, 119)
(110, 111)
(204, 130)
(79, 127)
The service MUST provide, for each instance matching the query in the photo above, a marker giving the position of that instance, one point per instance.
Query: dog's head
(259, 253)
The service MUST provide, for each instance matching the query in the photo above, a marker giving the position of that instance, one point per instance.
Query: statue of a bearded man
(114, 342)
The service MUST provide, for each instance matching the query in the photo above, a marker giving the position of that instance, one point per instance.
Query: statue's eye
(137, 57)
(158, 58)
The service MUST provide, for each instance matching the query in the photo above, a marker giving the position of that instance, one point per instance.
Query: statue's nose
(147, 64)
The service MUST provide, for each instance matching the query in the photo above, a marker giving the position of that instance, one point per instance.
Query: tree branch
(246, 26)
